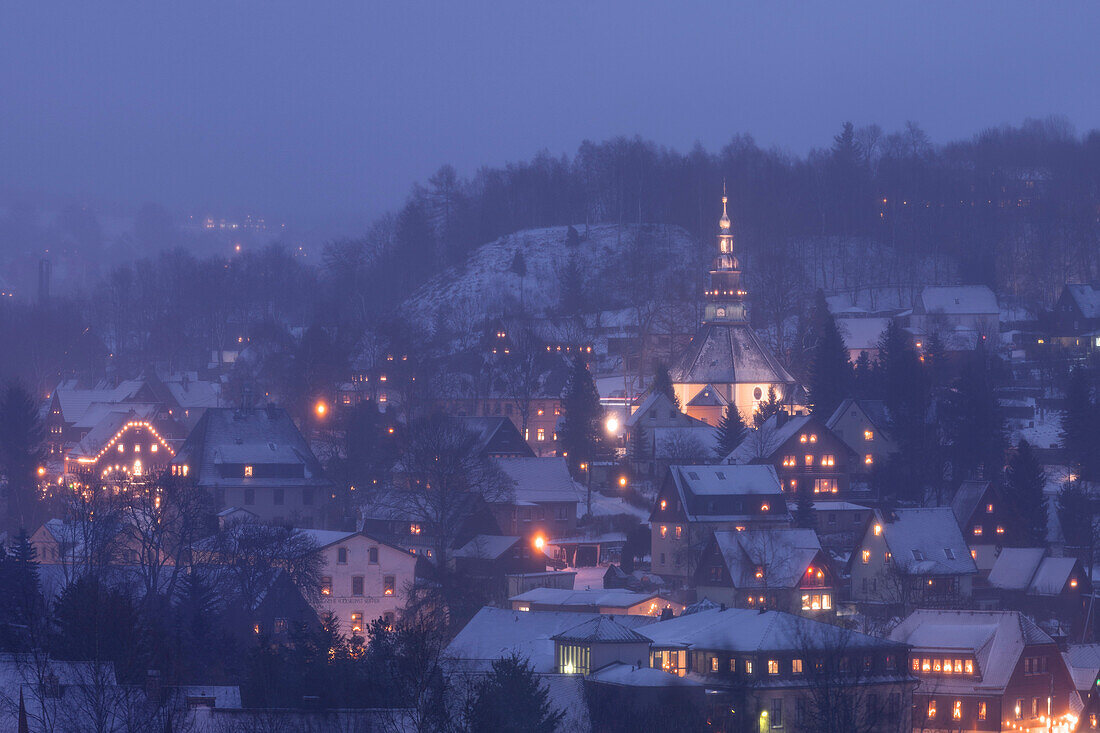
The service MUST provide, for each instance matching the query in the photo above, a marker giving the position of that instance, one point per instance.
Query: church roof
(728, 353)
(708, 397)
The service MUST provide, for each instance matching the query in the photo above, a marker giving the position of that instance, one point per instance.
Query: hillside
(486, 285)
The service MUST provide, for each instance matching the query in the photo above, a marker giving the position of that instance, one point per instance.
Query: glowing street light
(612, 425)
(320, 408)
(41, 470)
(540, 542)
(622, 482)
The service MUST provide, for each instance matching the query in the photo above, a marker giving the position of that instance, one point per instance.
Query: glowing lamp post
(321, 409)
(612, 425)
(540, 542)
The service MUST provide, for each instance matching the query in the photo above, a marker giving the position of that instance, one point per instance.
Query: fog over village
(549, 368)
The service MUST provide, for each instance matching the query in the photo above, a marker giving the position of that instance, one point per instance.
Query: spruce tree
(572, 238)
(1075, 514)
(1081, 427)
(1024, 483)
(22, 451)
(768, 407)
(511, 699)
(730, 433)
(863, 378)
(662, 384)
(580, 430)
(907, 400)
(639, 446)
(974, 423)
(830, 372)
(804, 513)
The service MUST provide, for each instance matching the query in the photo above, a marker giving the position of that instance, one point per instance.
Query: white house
(362, 579)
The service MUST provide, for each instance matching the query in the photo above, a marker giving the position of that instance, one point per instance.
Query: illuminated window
(664, 530)
(714, 664)
(988, 508)
(764, 507)
(916, 664)
(878, 530)
(803, 438)
(826, 602)
(415, 529)
(936, 667)
(866, 556)
(957, 710)
(969, 666)
(977, 530)
(748, 666)
(809, 459)
(357, 621)
(773, 666)
(326, 586)
(931, 708)
(981, 710)
(759, 572)
(539, 412)
(828, 460)
(679, 531)
(389, 584)
(868, 435)
(925, 665)
(1000, 529)
(1073, 582)
(664, 504)
(813, 438)
(137, 447)
(247, 471)
(153, 448)
(541, 434)
(121, 448)
(868, 459)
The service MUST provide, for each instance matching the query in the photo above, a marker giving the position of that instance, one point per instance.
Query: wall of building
(374, 602)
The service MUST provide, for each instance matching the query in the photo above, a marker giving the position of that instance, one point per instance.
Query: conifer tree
(830, 372)
(768, 407)
(1081, 427)
(571, 284)
(730, 433)
(662, 384)
(511, 699)
(1024, 484)
(973, 421)
(639, 447)
(907, 400)
(21, 453)
(864, 377)
(804, 512)
(580, 430)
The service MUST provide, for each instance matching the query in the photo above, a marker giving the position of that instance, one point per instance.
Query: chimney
(781, 418)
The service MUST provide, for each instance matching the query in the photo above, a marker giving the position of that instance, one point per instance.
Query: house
(725, 356)
(497, 437)
(1055, 591)
(694, 501)
(545, 498)
(1083, 662)
(957, 308)
(399, 517)
(862, 335)
(985, 520)
(615, 602)
(864, 426)
(804, 452)
(912, 557)
(277, 611)
(362, 578)
(772, 671)
(124, 446)
(596, 643)
(839, 524)
(498, 632)
(647, 431)
(1076, 316)
(780, 569)
(986, 671)
(255, 458)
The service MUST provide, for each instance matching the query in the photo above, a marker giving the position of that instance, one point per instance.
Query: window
(789, 461)
(714, 664)
(868, 435)
(777, 712)
(878, 530)
(969, 664)
(248, 471)
(357, 585)
(916, 664)
(372, 555)
(733, 664)
(931, 708)
(278, 495)
(326, 586)
(388, 585)
(866, 555)
(957, 710)
(280, 626)
(925, 665)
(1000, 529)
(679, 531)
(918, 555)
(949, 553)
(357, 621)
(825, 486)
(664, 530)
(796, 666)
(809, 459)
(977, 530)
(415, 529)
(748, 666)
(1019, 708)
(540, 435)
(153, 448)
(342, 556)
(981, 710)
(828, 460)
(868, 459)
(988, 508)
(958, 666)
(249, 497)
(773, 666)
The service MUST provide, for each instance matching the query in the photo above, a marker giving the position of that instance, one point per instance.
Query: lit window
(866, 556)
(248, 471)
(958, 666)
(1073, 582)
(137, 447)
(809, 459)
(826, 602)
(539, 412)
(868, 459)
(868, 435)
(541, 434)
(153, 448)
(977, 530)
(931, 708)
(969, 666)
(415, 529)
(1000, 529)
(773, 666)
(664, 504)
(714, 664)
(764, 507)
(357, 621)
(925, 665)
(988, 508)
(748, 666)
(813, 438)
(957, 710)
(936, 667)
(679, 531)
(389, 584)
(828, 460)
(326, 586)
(803, 438)
(664, 530)
(759, 572)
(878, 530)
(121, 448)
(981, 711)
(916, 664)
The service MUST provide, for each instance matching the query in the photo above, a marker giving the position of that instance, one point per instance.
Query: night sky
(316, 112)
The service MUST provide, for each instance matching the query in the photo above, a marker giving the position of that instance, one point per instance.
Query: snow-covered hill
(486, 285)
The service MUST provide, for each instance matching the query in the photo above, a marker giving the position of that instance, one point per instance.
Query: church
(726, 362)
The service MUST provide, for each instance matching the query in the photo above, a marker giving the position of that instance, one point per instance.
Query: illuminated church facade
(726, 362)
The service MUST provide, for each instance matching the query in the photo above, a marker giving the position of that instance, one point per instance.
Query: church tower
(725, 299)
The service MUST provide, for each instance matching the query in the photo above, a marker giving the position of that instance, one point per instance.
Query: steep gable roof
(926, 542)
(540, 479)
(1087, 298)
(958, 300)
(708, 396)
(967, 498)
(873, 410)
(783, 554)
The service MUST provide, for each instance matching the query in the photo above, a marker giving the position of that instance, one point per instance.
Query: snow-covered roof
(1030, 569)
(1083, 661)
(722, 353)
(594, 598)
(494, 633)
(1087, 298)
(486, 547)
(927, 542)
(996, 638)
(835, 506)
(784, 554)
(773, 436)
(541, 479)
(862, 334)
(326, 537)
(966, 499)
(722, 480)
(744, 630)
(629, 675)
(959, 300)
(873, 410)
(602, 629)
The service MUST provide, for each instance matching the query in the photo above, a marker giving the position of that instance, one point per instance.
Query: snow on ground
(485, 285)
(590, 577)
(1045, 433)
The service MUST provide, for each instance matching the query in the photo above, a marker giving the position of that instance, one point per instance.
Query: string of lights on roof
(128, 426)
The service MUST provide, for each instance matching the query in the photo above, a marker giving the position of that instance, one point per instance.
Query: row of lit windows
(792, 461)
(957, 710)
(180, 470)
(978, 530)
(153, 447)
(944, 666)
(540, 434)
(816, 602)
(678, 530)
(389, 585)
(821, 485)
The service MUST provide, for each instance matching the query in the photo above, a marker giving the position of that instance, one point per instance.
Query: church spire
(724, 222)
(724, 295)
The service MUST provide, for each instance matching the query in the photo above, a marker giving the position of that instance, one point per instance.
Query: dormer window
(248, 471)
(949, 553)
(918, 555)
(759, 572)
(988, 508)
(868, 435)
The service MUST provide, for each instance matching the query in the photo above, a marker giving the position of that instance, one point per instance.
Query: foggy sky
(314, 111)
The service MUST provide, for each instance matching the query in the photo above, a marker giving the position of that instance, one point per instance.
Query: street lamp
(612, 425)
(320, 408)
